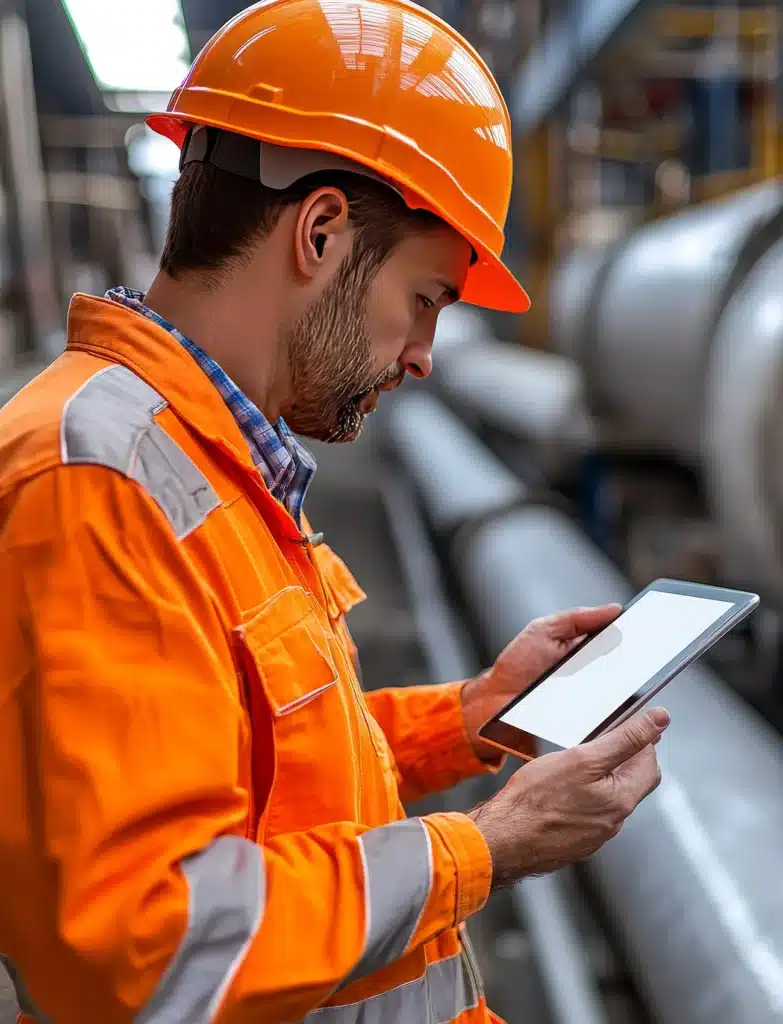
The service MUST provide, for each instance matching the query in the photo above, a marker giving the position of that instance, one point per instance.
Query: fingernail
(659, 717)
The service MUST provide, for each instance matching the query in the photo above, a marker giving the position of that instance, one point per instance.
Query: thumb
(621, 744)
(579, 622)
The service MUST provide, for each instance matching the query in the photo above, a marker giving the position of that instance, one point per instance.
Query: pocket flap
(344, 590)
(290, 650)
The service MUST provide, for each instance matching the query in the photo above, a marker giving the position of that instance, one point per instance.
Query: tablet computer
(613, 673)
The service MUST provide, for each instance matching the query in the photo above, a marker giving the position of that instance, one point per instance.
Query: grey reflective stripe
(444, 992)
(26, 1005)
(397, 877)
(110, 422)
(227, 892)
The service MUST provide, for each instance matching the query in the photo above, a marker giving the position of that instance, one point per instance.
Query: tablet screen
(613, 667)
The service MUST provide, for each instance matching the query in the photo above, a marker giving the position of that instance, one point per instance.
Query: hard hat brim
(492, 285)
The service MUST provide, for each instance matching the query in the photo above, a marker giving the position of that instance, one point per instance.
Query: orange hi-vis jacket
(201, 810)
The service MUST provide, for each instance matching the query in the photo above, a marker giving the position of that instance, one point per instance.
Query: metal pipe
(570, 985)
(535, 397)
(646, 316)
(524, 392)
(447, 651)
(691, 883)
(543, 906)
(448, 463)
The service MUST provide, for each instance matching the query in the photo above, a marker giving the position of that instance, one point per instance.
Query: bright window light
(150, 155)
(136, 102)
(144, 49)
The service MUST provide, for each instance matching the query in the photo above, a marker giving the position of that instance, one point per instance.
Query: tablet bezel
(519, 743)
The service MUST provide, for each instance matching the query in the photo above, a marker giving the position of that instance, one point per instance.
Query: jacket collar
(119, 334)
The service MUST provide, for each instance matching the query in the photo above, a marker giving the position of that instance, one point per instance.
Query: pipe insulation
(448, 464)
(535, 397)
(692, 883)
(541, 902)
(640, 317)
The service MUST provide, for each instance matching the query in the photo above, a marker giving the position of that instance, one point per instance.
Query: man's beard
(330, 354)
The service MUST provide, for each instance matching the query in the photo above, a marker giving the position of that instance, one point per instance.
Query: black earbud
(320, 242)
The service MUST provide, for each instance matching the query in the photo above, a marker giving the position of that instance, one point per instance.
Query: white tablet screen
(613, 666)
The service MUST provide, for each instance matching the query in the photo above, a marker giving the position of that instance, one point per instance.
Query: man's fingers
(639, 776)
(618, 746)
(577, 622)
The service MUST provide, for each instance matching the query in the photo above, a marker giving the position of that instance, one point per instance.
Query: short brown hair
(216, 215)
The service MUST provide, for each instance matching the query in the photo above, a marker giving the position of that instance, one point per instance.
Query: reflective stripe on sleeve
(227, 890)
(397, 862)
(110, 421)
(444, 992)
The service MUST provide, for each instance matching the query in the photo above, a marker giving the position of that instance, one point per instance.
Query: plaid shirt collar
(287, 467)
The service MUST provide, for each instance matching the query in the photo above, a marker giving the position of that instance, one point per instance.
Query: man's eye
(426, 303)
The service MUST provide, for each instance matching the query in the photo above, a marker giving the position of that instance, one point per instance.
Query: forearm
(428, 733)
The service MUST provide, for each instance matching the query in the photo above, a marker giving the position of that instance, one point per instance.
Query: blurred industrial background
(628, 427)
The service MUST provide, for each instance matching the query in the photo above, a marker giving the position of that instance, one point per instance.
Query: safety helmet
(382, 87)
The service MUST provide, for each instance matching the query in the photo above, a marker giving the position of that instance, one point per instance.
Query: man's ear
(323, 233)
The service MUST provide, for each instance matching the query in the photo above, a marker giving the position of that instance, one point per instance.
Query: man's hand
(541, 644)
(563, 807)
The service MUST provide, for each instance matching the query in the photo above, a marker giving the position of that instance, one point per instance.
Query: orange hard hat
(380, 86)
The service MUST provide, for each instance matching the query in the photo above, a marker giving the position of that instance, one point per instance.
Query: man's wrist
(475, 712)
(503, 873)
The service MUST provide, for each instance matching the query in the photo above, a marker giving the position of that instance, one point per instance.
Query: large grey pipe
(535, 397)
(640, 318)
(448, 464)
(571, 988)
(692, 883)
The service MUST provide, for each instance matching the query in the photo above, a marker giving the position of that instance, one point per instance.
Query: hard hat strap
(277, 167)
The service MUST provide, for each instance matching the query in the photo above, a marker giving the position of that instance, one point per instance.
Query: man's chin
(351, 423)
(335, 437)
(351, 435)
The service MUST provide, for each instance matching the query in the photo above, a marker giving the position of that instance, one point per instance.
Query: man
(202, 813)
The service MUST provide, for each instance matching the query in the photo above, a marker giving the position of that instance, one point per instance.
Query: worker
(202, 813)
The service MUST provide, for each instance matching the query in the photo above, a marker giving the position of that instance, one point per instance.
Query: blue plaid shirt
(286, 466)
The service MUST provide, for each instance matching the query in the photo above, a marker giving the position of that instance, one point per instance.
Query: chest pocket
(294, 685)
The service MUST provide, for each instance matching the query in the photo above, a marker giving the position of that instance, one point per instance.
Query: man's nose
(417, 357)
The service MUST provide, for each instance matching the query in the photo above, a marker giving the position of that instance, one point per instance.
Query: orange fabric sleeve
(426, 731)
(127, 886)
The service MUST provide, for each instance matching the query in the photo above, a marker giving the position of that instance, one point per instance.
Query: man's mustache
(391, 375)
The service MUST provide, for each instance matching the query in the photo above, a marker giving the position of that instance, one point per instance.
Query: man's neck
(248, 351)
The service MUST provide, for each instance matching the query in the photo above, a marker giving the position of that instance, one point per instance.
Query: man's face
(368, 329)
